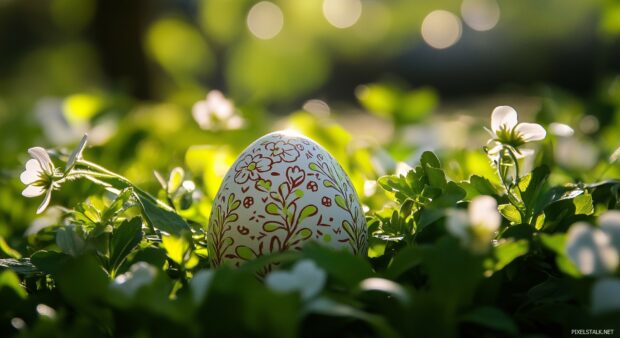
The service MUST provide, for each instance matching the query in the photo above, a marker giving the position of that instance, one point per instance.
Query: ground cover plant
(475, 187)
(504, 239)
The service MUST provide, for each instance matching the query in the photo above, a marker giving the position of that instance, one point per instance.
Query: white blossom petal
(41, 155)
(305, 277)
(606, 296)
(33, 191)
(219, 105)
(46, 201)
(610, 218)
(483, 213)
(32, 172)
(531, 131)
(235, 122)
(200, 112)
(139, 275)
(282, 281)
(503, 116)
(590, 250)
(561, 129)
(311, 277)
(609, 222)
(524, 152)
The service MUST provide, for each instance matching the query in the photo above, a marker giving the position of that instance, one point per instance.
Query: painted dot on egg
(283, 191)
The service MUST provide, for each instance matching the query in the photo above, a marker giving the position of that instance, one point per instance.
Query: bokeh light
(480, 15)
(265, 20)
(342, 13)
(441, 29)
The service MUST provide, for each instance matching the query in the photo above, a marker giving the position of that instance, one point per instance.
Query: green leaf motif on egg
(283, 191)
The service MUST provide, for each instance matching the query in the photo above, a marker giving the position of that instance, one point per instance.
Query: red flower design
(248, 201)
(326, 201)
(312, 186)
(250, 167)
(282, 151)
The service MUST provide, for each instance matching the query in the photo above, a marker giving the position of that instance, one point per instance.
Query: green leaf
(7, 250)
(81, 281)
(233, 203)
(436, 177)
(23, 266)
(554, 242)
(557, 243)
(49, 261)
(272, 209)
(403, 261)
(328, 307)
(508, 251)
(69, 241)
(429, 159)
(178, 248)
(511, 213)
(492, 318)
(539, 221)
(124, 239)
(120, 203)
(265, 185)
(9, 279)
(531, 187)
(245, 252)
(161, 217)
(271, 226)
(341, 202)
(583, 204)
(307, 211)
(341, 265)
(482, 185)
(304, 233)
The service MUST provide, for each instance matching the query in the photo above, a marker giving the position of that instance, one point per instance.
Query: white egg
(283, 191)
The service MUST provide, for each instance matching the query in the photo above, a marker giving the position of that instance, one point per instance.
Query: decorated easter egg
(283, 191)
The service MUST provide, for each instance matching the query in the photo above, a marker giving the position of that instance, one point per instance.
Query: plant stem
(502, 176)
(102, 172)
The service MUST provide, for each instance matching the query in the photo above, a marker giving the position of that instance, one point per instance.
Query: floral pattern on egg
(283, 191)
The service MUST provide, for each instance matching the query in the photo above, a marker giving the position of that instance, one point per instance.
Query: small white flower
(305, 277)
(561, 129)
(39, 176)
(595, 251)
(507, 131)
(475, 228)
(139, 275)
(216, 112)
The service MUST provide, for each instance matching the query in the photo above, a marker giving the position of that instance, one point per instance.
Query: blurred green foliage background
(375, 82)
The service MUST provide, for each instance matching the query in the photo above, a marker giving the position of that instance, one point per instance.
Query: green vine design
(220, 225)
(284, 205)
(335, 178)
